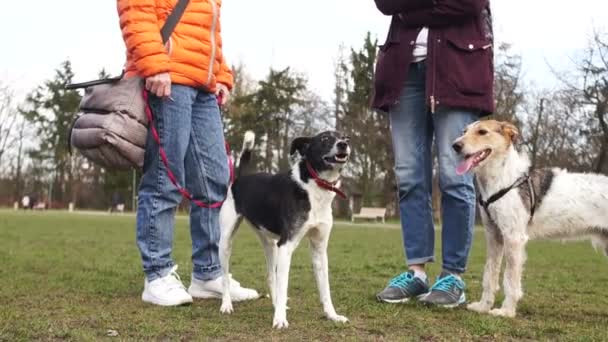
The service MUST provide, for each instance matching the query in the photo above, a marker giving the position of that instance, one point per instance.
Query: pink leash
(170, 174)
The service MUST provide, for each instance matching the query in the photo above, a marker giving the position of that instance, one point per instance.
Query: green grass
(73, 277)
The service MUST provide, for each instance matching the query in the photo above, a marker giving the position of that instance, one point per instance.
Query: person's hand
(159, 84)
(222, 93)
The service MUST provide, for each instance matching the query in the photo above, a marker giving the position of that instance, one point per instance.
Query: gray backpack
(112, 126)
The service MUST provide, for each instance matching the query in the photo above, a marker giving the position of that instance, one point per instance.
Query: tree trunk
(268, 159)
(18, 190)
(536, 134)
(600, 112)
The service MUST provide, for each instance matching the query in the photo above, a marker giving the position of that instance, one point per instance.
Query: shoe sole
(400, 301)
(201, 294)
(448, 306)
(153, 300)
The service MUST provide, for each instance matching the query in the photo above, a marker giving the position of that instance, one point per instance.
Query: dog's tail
(246, 153)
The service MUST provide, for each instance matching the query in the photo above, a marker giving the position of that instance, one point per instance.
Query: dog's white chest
(320, 206)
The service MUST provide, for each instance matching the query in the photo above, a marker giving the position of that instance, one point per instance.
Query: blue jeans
(191, 133)
(413, 128)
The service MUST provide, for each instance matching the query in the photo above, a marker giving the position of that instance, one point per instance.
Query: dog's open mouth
(338, 158)
(472, 160)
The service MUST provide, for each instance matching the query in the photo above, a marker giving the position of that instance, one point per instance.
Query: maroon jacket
(460, 68)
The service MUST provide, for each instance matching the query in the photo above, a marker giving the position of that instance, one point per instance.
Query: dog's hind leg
(491, 273)
(515, 255)
(318, 249)
(270, 251)
(284, 253)
(229, 223)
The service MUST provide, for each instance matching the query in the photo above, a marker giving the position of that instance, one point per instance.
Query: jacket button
(412, 42)
(471, 46)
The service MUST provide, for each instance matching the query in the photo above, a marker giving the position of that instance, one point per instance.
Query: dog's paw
(337, 318)
(226, 308)
(280, 323)
(502, 312)
(479, 307)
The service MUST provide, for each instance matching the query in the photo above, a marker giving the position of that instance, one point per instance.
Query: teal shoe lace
(402, 280)
(446, 283)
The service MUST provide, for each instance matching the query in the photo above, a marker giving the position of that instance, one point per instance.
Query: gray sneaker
(447, 292)
(402, 288)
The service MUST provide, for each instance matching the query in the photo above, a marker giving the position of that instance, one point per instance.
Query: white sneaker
(213, 289)
(166, 291)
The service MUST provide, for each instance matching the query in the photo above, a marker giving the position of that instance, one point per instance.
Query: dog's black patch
(539, 183)
(273, 202)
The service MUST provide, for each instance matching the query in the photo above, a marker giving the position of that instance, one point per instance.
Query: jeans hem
(157, 272)
(207, 273)
(456, 270)
(418, 261)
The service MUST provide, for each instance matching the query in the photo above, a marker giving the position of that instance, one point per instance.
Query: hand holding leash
(159, 84)
(222, 94)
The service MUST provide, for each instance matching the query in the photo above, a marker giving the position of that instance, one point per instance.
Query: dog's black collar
(498, 195)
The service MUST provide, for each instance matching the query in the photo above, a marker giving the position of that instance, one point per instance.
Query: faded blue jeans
(191, 133)
(413, 128)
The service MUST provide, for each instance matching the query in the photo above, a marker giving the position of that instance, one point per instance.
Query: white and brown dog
(519, 204)
(283, 209)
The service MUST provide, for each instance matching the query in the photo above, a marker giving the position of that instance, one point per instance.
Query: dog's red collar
(322, 183)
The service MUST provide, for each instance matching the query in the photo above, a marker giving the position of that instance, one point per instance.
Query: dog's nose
(457, 146)
(342, 145)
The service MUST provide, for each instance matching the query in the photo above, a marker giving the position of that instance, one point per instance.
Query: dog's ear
(510, 131)
(300, 145)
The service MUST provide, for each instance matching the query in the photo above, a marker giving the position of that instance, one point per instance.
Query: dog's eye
(325, 139)
(482, 132)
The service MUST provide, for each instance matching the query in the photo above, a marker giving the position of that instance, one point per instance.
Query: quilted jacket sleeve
(141, 32)
(225, 74)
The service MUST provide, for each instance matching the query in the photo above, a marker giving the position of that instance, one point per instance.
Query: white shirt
(420, 50)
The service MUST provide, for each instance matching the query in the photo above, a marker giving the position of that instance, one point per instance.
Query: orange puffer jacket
(193, 55)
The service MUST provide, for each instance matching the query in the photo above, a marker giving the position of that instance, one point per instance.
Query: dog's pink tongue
(464, 166)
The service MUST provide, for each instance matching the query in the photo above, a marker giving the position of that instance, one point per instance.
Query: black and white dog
(284, 208)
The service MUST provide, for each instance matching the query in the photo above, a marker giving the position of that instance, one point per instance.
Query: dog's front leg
(284, 254)
(491, 273)
(318, 248)
(515, 255)
(225, 247)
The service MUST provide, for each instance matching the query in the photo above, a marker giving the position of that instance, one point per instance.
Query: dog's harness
(322, 183)
(498, 195)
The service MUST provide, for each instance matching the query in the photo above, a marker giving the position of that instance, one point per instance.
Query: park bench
(370, 213)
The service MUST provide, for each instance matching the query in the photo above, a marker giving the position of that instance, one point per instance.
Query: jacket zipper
(213, 42)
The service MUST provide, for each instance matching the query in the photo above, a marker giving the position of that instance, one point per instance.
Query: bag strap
(165, 33)
(173, 19)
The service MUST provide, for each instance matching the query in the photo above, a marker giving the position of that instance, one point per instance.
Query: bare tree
(555, 130)
(508, 84)
(8, 119)
(590, 83)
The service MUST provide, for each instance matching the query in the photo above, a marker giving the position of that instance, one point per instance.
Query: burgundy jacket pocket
(468, 65)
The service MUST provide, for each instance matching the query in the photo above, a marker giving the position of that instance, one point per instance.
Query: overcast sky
(38, 35)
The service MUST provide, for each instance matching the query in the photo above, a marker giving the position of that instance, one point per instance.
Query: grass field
(73, 277)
